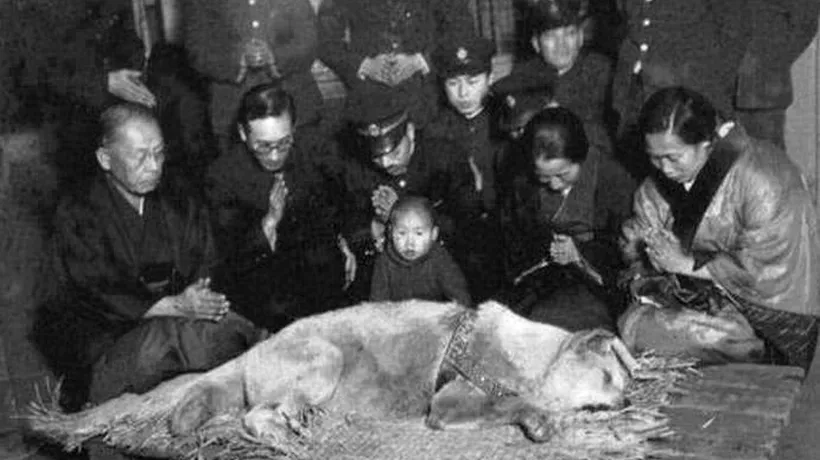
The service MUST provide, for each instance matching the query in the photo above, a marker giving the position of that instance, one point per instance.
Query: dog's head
(591, 371)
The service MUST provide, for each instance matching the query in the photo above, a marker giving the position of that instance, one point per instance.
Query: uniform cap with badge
(463, 56)
(546, 15)
(380, 118)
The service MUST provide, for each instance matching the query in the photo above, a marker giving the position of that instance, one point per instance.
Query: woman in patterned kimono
(723, 241)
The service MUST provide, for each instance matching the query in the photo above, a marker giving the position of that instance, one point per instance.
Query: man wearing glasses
(278, 193)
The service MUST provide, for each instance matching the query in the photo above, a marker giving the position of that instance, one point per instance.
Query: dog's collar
(459, 361)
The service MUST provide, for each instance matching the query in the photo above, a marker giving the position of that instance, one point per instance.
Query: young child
(414, 265)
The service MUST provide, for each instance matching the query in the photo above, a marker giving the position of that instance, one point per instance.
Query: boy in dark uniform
(396, 159)
(465, 67)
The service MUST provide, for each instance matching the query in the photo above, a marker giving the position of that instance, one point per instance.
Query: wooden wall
(802, 125)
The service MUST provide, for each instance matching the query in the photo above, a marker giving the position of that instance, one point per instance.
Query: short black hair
(682, 112)
(556, 133)
(115, 117)
(263, 101)
(415, 203)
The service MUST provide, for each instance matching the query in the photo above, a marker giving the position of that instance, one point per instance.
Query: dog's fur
(382, 360)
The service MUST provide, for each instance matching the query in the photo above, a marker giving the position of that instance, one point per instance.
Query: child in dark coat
(414, 265)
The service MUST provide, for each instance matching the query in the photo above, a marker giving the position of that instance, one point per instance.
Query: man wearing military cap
(398, 159)
(465, 69)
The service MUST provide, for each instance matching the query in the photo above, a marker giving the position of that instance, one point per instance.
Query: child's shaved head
(418, 205)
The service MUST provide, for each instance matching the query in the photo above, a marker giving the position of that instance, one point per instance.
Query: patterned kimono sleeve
(649, 211)
(774, 259)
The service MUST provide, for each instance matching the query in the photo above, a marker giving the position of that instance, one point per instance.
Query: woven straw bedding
(139, 425)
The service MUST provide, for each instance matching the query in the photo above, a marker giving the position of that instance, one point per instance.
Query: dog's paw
(538, 426)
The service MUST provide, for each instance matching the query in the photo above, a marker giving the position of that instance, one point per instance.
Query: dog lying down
(461, 368)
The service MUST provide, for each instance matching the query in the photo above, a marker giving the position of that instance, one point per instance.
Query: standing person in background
(465, 69)
(97, 58)
(780, 32)
(373, 44)
(238, 45)
(697, 44)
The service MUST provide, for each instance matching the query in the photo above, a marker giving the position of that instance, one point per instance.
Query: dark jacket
(378, 26)
(434, 276)
(307, 263)
(438, 170)
(697, 44)
(479, 140)
(590, 213)
(215, 32)
(351, 30)
(780, 32)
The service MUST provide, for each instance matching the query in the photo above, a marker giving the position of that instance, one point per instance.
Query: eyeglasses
(263, 148)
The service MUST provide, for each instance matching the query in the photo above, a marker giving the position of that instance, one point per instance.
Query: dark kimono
(305, 273)
(478, 247)
(569, 296)
(116, 265)
(434, 276)
(438, 170)
(352, 30)
(749, 220)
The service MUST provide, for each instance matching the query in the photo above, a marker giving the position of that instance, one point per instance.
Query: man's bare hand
(257, 54)
(126, 85)
(404, 66)
(350, 262)
(383, 199)
(198, 301)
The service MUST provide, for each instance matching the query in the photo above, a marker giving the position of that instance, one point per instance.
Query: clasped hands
(563, 250)
(664, 251)
(197, 301)
(392, 69)
(256, 54)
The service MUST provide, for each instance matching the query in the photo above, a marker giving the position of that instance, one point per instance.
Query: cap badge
(461, 54)
(373, 130)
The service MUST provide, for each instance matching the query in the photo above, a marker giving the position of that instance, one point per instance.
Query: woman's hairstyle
(116, 116)
(680, 111)
(263, 101)
(556, 133)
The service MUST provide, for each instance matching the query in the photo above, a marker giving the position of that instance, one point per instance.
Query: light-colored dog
(393, 360)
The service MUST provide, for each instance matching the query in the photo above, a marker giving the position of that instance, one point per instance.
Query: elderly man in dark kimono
(135, 251)
(723, 238)
(297, 173)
